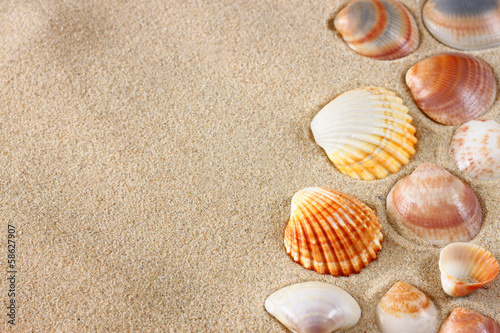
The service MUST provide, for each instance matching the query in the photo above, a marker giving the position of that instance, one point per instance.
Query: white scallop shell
(366, 133)
(476, 149)
(314, 307)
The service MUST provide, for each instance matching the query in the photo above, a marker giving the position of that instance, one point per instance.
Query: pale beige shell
(463, 320)
(476, 149)
(404, 308)
(465, 268)
(332, 232)
(452, 88)
(435, 205)
(380, 29)
(366, 133)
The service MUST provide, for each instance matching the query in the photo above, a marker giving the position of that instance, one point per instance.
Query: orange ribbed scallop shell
(452, 88)
(331, 232)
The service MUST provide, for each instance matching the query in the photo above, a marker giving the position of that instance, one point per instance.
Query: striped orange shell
(452, 88)
(380, 29)
(331, 232)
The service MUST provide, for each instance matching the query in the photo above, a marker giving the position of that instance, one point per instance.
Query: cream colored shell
(366, 133)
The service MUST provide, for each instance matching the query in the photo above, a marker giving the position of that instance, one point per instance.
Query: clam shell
(331, 232)
(314, 307)
(463, 320)
(464, 24)
(476, 149)
(435, 205)
(366, 133)
(466, 267)
(406, 309)
(380, 29)
(452, 88)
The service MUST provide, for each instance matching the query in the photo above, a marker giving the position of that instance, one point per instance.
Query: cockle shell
(452, 88)
(331, 232)
(366, 133)
(464, 24)
(406, 309)
(466, 267)
(314, 307)
(463, 320)
(435, 205)
(380, 29)
(476, 149)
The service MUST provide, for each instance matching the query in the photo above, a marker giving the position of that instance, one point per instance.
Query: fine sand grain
(150, 149)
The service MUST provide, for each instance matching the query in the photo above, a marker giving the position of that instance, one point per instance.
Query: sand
(150, 150)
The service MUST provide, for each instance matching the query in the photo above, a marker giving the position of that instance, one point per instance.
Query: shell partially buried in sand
(366, 133)
(465, 268)
(380, 29)
(463, 320)
(452, 88)
(476, 149)
(332, 232)
(404, 308)
(464, 24)
(314, 307)
(435, 205)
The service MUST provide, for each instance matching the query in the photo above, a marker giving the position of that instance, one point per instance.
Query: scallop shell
(466, 267)
(380, 29)
(435, 205)
(463, 320)
(406, 309)
(314, 307)
(464, 24)
(366, 133)
(452, 88)
(476, 149)
(332, 232)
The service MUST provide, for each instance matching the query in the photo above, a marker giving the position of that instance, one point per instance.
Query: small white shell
(366, 133)
(406, 309)
(466, 267)
(476, 149)
(314, 307)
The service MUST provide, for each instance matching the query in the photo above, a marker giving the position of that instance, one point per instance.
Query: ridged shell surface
(464, 24)
(332, 232)
(452, 88)
(463, 320)
(476, 149)
(466, 267)
(406, 309)
(314, 307)
(380, 29)
(366, 133)
(435, 205)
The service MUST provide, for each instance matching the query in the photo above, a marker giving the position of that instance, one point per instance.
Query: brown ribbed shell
(380, 29)
(436, 206)
(463, 320)
(332, 232)
(452, 88)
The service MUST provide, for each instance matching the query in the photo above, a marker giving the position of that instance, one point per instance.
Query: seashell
(452, 88)
(464, 24)
(476, 149)
(404, 308)
(435, 205)
(466, 267)
(463, 320)
(314, 307)
(380, 29)
(331, 232)
(366, 133)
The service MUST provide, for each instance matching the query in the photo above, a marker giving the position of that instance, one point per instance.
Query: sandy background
(150, 149)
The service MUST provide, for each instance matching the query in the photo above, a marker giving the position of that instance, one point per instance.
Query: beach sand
(150, 150)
